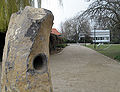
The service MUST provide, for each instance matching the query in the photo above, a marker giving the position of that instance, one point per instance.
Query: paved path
(0, 74)
(80, 69)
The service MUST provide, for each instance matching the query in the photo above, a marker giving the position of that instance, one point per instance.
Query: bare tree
(105, 9)
(107, 15)
(72, 28)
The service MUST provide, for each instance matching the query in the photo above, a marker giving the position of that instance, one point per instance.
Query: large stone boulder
(25, 65)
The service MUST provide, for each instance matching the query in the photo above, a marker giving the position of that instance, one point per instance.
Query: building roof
(55, 31)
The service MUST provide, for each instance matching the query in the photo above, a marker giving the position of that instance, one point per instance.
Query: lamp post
(95, 37)
(85, 39)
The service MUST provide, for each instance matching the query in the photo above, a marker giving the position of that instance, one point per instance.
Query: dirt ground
(80, 69)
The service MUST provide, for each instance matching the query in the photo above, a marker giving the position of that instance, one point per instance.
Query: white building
(100, 36)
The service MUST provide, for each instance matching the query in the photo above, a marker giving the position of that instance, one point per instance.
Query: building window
(107, 38)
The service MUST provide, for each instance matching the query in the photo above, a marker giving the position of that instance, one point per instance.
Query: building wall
(99, 36)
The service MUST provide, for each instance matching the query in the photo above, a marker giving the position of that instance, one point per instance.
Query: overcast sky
(70, 9)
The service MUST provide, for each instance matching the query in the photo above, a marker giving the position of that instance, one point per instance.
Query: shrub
(117, 58)
(61, 45)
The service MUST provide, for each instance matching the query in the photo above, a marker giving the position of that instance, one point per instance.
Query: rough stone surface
(25, 65)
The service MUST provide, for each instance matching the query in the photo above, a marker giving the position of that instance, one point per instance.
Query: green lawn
(110, 50)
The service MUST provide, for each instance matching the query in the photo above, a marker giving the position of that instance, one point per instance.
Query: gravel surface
(80, 69)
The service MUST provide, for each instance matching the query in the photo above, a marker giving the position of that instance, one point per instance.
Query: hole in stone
(39, 62)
